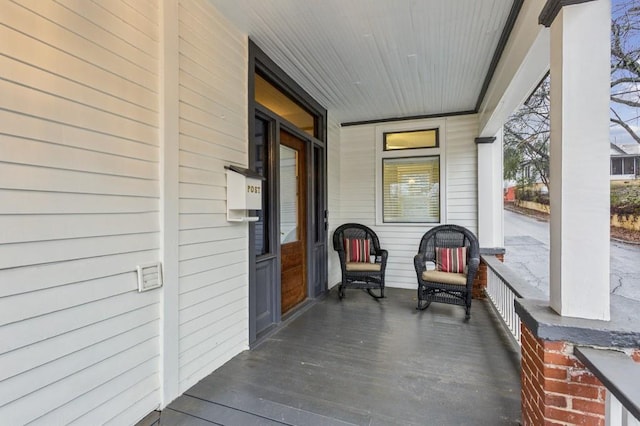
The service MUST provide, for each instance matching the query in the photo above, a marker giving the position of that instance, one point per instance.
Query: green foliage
(625, 200)
(512, 161)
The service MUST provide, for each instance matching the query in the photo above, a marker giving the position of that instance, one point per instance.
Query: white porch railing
(621, 376)
(503, 297)
(623, 398)
(616, 414)
(503, 287)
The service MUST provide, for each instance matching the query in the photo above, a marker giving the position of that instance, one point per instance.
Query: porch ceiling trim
(489, 139)
(552, 8)
(497, 55)
(413, 117)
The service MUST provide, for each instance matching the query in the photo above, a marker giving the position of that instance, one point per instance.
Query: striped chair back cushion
(357, 250)
(451, 259)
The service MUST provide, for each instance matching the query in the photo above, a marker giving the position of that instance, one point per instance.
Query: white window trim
(407, 126)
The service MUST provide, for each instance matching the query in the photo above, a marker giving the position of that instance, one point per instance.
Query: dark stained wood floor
(366, 362)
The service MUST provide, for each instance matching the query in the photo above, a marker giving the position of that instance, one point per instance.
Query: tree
(625, 65)
(526, 134)
(526, 138)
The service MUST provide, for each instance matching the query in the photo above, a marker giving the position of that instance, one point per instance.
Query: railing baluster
(502, 295)
(613, 410)
(616, 414)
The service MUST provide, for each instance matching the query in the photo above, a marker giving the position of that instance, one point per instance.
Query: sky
(632, 90)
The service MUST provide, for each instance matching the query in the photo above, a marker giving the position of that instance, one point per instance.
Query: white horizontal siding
(462, 171)
(35, 128)
(79, 209)
(213, 322)
(357, 161)
(357, 175)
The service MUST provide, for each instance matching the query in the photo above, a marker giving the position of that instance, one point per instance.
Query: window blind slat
(411, 189)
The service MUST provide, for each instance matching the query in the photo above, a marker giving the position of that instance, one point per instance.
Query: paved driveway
(527, 244)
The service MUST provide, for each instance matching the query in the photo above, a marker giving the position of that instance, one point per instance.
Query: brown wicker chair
(446, 287)
(364, 275)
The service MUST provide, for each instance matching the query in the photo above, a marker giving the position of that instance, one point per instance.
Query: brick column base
(480, 282)
(557, 389)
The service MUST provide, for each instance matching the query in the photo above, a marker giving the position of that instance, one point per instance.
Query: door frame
(260, 62)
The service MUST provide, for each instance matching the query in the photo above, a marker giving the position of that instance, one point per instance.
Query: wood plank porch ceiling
(379, 59)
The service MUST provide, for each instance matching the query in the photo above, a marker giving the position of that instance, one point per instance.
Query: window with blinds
(411, 189)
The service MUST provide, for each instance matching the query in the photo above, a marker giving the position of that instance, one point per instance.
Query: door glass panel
(288, 194)
(262, 225)
(318, 168)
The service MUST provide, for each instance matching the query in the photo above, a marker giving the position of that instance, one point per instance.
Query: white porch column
(169, 134)
(579, 151)
(490, 191)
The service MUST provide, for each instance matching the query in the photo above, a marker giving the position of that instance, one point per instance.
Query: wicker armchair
(362, 273)
(448, 280)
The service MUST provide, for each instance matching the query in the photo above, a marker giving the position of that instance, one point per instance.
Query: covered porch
(124, 284)
(366, 362)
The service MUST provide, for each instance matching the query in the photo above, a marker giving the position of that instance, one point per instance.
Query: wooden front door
(293, 214)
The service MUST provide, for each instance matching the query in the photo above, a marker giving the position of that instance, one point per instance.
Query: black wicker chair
(434, 285)
(364, 275)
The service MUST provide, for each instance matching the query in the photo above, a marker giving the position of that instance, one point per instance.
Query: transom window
(413, 139)
(277, 101)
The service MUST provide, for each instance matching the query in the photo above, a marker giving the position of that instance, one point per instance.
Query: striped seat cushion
(451, 259)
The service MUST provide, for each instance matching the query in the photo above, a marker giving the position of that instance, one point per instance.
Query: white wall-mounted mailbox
(244, 193)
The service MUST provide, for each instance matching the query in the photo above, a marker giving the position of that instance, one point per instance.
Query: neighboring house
(509, 192)
(527, 173)
(625, 161)
(117, 119)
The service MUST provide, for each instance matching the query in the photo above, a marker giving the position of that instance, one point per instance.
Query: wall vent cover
(149, 276)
